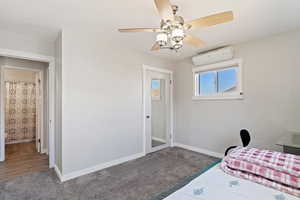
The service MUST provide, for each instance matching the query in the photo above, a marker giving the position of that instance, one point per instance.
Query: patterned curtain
(20, 112)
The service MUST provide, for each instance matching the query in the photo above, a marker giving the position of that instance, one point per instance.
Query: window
(218, 81)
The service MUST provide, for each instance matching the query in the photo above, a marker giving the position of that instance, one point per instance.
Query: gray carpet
(140, 179)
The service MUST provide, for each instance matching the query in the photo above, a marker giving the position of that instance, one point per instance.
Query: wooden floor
(20, 159)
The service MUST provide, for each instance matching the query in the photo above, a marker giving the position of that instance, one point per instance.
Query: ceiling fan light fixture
(162, 39)
(177, 34)
(173, 28)
(176, 45)
(166, 25)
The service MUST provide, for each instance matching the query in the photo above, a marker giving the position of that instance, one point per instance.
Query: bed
(214, 184)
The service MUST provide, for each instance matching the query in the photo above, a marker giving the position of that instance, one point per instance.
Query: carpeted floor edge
(184, 182)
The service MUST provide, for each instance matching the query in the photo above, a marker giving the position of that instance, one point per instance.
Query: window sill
(237, 97)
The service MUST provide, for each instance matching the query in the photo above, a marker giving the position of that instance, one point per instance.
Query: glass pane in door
(158, 111)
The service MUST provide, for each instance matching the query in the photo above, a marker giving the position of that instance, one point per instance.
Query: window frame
(238, 63)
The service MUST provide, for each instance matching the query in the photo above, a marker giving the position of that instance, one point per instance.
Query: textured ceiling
(253, 19)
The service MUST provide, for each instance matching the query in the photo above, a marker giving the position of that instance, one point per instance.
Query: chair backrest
(245, 136)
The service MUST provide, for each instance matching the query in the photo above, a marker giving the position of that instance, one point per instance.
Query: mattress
(214, 184)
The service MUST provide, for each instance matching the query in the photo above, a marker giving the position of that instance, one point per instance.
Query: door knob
(148, 116)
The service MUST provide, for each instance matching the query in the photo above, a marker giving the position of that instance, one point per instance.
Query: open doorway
(24, 116)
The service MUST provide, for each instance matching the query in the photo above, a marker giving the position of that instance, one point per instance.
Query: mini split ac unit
(213, 56)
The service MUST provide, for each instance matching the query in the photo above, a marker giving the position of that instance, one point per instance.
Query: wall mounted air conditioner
(213, 56)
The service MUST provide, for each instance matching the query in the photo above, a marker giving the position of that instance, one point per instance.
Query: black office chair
(245, 137)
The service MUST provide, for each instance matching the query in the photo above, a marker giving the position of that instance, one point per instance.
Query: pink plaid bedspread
(273, 169)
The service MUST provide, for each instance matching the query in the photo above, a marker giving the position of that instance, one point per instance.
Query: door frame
(39, 72)
(51, 94)
(39, 81)
(171, 128)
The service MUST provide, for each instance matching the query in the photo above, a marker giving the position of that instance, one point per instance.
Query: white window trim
(220, 96)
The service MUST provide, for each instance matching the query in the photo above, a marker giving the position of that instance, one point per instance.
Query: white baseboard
(72, 175)
(21, 141)
(159, 139)
(199, 150)
(44, 151)
(58, 173)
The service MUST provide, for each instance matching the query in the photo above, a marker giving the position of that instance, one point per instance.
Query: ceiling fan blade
(210, 20)
(155, 47)
(164, 8)
(192, 40)
(133, 30)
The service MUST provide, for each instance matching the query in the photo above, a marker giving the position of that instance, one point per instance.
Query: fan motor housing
(179, 19)
(175, 9)
(168, 25)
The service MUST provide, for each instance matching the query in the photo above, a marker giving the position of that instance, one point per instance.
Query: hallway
(20, 159)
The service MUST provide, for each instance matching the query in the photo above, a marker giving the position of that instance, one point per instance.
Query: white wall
(101, 99)
(14, 62)
(1, 61)
(270, 107)
(26, 43)
(295, 121)
(19, 75)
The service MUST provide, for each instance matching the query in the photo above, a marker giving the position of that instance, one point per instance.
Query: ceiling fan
(173, 28)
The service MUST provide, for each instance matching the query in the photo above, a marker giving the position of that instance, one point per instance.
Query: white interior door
(157, 110)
